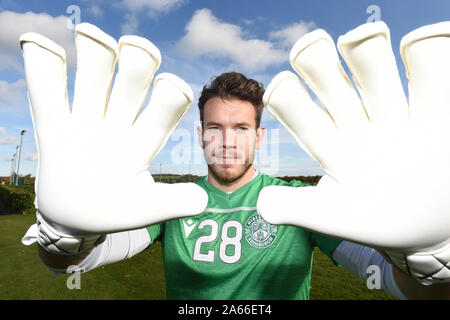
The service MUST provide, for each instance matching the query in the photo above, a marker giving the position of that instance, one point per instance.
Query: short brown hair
(234, 85)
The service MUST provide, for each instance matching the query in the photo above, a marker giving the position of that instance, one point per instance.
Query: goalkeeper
(228, 251)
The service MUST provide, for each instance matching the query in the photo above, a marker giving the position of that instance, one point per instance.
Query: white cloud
(10, 140)
(290, 34)
(10, 60)
(149, 7)
(2, 130)
(131, 24)
(253, 21)
(31, 156)
(248, 22)
(207, 35)
(153, 7)
(95, 11)
(11, 93)
(13, 24)
(299, 170)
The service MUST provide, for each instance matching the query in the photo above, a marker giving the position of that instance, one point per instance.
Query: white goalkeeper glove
(57, 239)
(387, 162)
(92, 175)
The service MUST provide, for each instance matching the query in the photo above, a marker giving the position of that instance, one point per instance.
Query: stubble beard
(226, 179)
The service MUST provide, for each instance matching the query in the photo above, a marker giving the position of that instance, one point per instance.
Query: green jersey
(230, 252)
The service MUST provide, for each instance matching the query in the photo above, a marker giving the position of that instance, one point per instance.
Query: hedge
(16, 199)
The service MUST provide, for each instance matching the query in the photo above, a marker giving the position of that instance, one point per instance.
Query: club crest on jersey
(259, 233)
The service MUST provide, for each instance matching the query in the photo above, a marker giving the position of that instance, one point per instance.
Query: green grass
(23, 276)
(329, 282)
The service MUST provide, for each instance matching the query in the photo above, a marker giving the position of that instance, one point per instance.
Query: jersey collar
(242, 189)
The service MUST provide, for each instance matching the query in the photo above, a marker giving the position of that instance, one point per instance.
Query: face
(229, 138)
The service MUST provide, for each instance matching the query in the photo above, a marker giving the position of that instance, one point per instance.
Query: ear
(260, 132)
(200, 137)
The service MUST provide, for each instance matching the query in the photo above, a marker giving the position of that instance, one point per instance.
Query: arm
(357, 259)
(414, 290)
(58, 261)
(111, 248)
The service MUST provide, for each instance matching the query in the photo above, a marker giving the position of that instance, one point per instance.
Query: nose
(228, 138)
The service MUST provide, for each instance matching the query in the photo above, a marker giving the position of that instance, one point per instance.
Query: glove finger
(306, 207)
(368, 54)
(143, 203)
(425, 52)
(289, 102)
(45, 69)
(138, 61)
(96, 60)
(313, 210)
(349, 214)
(171, 98)
(170, 201)
(315, 59)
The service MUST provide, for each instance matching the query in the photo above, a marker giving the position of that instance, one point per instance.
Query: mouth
(226, 159)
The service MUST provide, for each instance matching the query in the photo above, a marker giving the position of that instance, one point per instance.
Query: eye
(241, 129)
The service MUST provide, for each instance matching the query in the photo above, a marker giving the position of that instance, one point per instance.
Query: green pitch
(22, 275)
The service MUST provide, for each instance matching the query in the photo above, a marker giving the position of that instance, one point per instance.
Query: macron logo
(188, 227)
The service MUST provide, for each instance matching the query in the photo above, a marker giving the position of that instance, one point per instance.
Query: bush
(311, 180)
(16, 199)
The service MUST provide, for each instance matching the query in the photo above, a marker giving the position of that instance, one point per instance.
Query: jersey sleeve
(155, 232)
(298, 183)
(326, 244)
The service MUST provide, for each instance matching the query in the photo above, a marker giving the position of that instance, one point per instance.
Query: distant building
(25, 180)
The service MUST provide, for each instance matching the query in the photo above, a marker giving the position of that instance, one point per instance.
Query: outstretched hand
(387, 160)
(93, 159)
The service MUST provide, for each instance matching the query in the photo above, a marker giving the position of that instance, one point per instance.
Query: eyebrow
(212, 123)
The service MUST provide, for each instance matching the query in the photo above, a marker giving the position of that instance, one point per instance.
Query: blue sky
(249, 36)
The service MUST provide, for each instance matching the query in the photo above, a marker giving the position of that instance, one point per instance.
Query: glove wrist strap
(428, 266)
(60, 240)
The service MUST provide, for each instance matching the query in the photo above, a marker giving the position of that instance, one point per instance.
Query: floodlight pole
(11, 177)
(20, 152)
(14, 169)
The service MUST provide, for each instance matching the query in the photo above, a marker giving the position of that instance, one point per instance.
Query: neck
(232, 186)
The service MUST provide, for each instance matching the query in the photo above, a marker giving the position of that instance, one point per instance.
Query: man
(229, 251)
